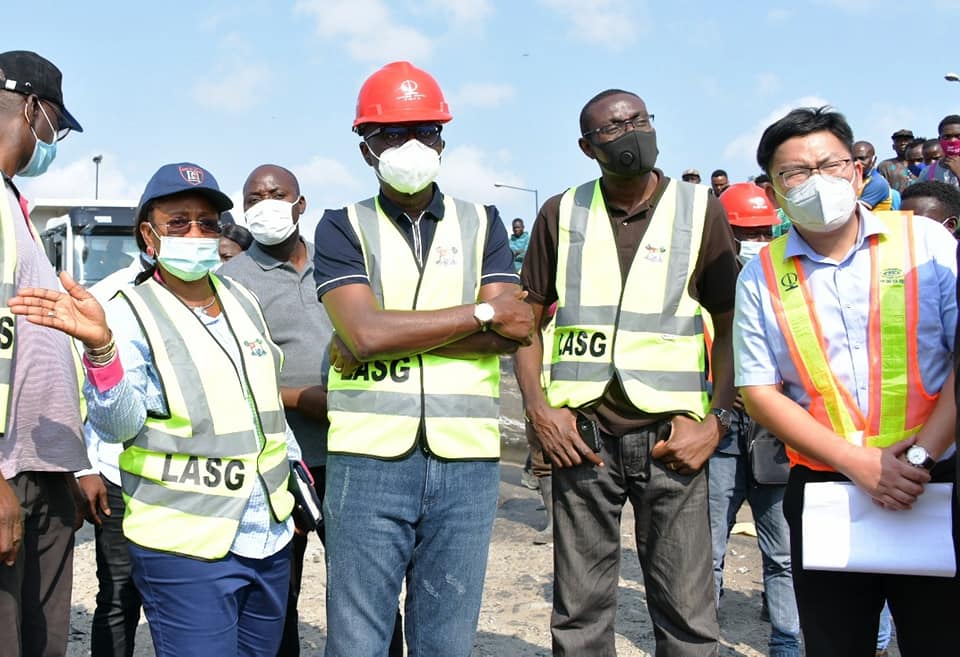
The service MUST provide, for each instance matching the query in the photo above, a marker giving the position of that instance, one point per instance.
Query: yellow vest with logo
(187, 475)
(648, 332)
(899, 404)
(378, 411)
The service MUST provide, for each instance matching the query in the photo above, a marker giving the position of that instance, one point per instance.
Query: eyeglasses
(644, 123)
(180, 227)
(398, 135)
(799, 175)
(60, 133)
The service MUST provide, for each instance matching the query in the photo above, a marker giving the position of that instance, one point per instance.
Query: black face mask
(633, 153)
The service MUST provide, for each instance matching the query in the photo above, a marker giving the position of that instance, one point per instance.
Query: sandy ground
(515, 617)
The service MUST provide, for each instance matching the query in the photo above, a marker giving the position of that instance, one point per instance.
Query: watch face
(484, 312)
(916, 455)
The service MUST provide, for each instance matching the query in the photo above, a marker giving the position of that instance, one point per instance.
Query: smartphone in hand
(589, 432)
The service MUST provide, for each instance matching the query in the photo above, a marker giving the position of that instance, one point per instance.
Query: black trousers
(290, 644)
(118, 602)
(839, 611)
(35, 591)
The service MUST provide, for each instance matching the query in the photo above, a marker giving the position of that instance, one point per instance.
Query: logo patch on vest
(892, 276)
(654, 253)
(256, 347)
(447, 256)
(789, 282)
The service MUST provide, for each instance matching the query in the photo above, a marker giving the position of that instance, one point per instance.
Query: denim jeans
(672, 529)
(118, 603)
(231, 606)
(731, 485)
(417, 517)
(885, 633)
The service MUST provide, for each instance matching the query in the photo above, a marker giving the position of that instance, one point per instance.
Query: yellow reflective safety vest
(647, 332)
(8, 289)
(378, 410)
(898, 403)
(187, 476)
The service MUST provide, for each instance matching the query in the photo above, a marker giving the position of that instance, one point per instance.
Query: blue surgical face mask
(189, 258)
(43, 153)
(915, 169)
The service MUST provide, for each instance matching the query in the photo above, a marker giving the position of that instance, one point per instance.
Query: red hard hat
(398, 93)
(748, 206)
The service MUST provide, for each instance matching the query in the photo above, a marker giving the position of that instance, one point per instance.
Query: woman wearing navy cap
(181, 369)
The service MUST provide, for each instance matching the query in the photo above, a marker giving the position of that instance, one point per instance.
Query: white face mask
(409, 168)
(822, 204)
(749, 250)
(189, 258)
(271, 221)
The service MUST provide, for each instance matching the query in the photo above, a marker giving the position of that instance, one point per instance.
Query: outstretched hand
(75, 312)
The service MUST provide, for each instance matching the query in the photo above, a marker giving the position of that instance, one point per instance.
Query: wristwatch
(724, 418)
(918, 457)
(483, 313)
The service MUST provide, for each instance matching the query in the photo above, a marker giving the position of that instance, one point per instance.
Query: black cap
(906, 134)
(28, 73)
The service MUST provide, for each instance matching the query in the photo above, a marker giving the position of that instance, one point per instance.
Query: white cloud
(233, 90)
(744, 145)
(468, 172)
(612, 23)
(368, 28)
(76, 180)
(481, 94)
(463, 11)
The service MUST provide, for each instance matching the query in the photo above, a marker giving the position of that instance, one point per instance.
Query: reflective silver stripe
(679, 261)
(273, 421)
(202, 444)
(370, 240)
(471, 240)
(276, 477)
(580, 214)
(660, 324)
(6, 366)
(408, 404)
(586, 315)
(7, 290)
(667, 381)
(568, 370)
(203, 504)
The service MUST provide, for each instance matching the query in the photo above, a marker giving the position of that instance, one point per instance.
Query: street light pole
(97, 159)
(536, 196)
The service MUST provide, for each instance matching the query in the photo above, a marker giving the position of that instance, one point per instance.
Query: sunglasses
(180, 227)
(398, 135)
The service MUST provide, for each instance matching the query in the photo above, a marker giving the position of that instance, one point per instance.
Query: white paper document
(843, 529)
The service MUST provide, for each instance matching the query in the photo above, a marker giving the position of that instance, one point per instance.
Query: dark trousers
(673, 545)
(839, 611)
(118, 601)
(290, 644)
(35, 591)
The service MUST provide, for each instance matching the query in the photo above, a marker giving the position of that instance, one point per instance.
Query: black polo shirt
(338, 258)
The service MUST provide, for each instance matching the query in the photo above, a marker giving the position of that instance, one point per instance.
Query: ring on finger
(51, 313)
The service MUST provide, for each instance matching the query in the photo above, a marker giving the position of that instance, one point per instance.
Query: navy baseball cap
(28, 73)
(185, 177)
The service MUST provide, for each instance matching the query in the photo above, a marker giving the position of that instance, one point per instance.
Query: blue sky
(235, 83)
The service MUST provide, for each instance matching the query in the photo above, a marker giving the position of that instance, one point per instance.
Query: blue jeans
(730, 485)
(232, 606)
(885, 633)
(416, 517)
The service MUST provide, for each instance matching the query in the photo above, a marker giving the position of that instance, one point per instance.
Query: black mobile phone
(589, 432)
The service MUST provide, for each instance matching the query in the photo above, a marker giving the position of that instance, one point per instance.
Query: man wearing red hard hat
(423, 296)
(749, 464)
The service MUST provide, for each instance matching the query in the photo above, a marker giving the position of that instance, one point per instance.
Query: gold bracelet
(99, 351)
(99, 360)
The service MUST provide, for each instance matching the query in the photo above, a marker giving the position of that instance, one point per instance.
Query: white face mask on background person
(821, 204)
(271, 221)
(189, 258)
(409, 168)
(749, 250)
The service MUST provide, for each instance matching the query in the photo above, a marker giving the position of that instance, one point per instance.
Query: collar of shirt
(434, 209)
(643, 211)
(267, 261)
(869, 225)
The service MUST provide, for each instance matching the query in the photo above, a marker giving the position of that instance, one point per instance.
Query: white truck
(89, 238)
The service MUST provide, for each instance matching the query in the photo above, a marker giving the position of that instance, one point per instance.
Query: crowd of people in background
(681, 346)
